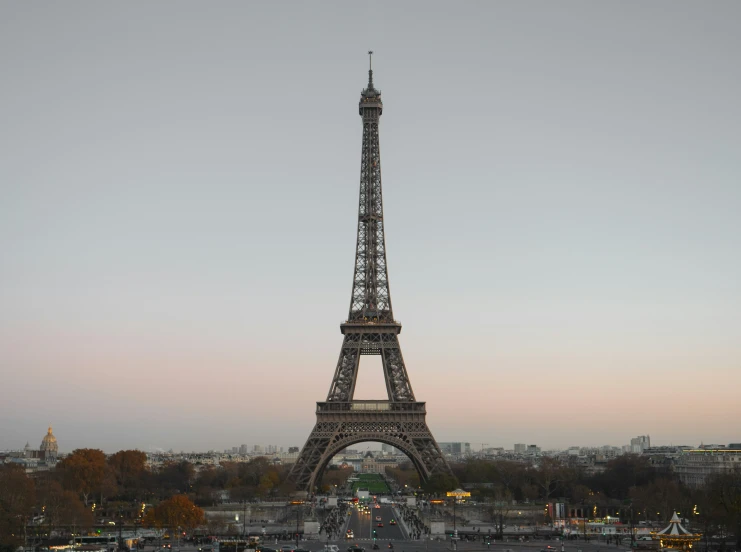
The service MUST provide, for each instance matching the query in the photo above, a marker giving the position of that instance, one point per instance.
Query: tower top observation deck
(370, 98)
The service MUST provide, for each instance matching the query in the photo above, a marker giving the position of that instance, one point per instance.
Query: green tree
(440, 483)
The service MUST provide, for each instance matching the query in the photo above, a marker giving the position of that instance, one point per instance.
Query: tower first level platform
(343, 424)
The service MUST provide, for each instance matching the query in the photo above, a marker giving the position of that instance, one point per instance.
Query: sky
(178, 204)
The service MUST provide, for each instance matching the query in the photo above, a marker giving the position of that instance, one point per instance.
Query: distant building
(292, 450)
(639, 444)
(520, 448)
(371, 464)
(533, 449)
(462, 449)
(695, 466)
(49, 448)
(43, 458)
(388, 448)
(242, 449)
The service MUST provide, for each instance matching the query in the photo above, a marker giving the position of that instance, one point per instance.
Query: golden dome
(49, 442)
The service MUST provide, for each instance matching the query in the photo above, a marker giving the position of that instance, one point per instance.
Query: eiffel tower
(370, 329)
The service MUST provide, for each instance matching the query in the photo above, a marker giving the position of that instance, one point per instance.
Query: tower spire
(370, 69)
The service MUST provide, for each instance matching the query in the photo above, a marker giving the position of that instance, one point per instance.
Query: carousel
(675, 536)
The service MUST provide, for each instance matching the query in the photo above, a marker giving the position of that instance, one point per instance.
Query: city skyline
(180, 197)
(252, 447)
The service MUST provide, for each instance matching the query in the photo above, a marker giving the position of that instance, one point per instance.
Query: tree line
(629, 488)
(88, 486)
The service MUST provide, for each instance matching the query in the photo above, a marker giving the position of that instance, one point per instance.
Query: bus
(110, 542)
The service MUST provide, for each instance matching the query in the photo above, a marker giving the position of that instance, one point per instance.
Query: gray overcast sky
(178, 195)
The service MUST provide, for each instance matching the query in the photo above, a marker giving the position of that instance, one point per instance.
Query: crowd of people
(332, 525)
(416, 527)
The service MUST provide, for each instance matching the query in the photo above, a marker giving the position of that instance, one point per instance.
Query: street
(363, 525)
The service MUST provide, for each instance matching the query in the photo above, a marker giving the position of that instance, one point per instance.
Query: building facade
(695, 466)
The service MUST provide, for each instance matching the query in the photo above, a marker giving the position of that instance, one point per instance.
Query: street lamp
(298, 512)
(457, 495)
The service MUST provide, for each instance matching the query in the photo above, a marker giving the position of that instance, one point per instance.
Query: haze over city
(178, 209)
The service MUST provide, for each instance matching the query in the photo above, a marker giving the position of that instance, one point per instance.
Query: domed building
(49, 448)
(43, 458)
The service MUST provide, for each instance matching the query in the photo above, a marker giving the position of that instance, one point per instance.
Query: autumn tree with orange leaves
(84, 472)
(176, 511)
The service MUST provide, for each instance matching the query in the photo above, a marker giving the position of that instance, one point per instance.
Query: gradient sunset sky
(178, 204)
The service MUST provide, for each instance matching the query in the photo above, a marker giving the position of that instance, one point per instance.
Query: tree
(726, 487)
(622, 474)
(63, 508)
(548, 475)
(17, 498)
(334, 476)
(216, 524)
(405, 475)
(500, 509)
(176, 476)
(128, 468)
(83, 472)
(440, 483)
(658, 499)
(176, 511)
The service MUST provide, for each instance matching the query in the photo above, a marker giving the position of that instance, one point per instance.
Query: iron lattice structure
(370, 329)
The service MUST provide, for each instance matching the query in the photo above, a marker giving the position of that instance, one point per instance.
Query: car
(300, 550)
(380, 524)
(349, 534)
(392, 522)
(378, 518)
(265, 549)
(286, 548)
(356, 548)
(377, 506)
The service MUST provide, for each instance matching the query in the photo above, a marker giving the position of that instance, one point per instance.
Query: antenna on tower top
(370, 69)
